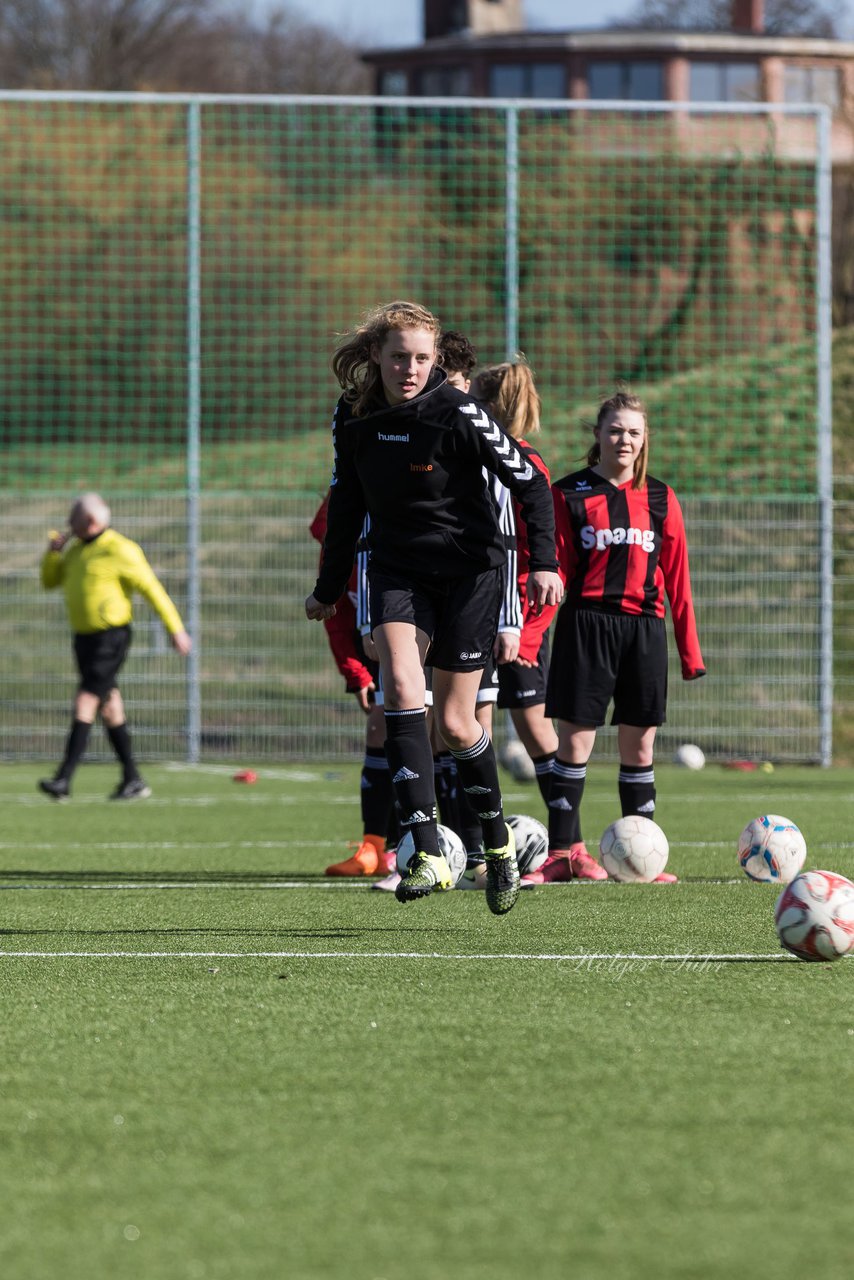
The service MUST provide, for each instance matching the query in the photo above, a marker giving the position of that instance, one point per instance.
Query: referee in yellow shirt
(99, 570)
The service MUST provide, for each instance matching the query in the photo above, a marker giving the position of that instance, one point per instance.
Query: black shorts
(488, 689)
(599, 656)
(524, 686)
(100, 657)
(460, 615)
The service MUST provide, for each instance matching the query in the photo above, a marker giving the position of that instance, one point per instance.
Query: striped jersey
(622, 550)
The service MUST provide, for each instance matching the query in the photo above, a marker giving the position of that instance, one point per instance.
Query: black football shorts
(600, 656)
(520, 687)
(460, 615)
(99, 658)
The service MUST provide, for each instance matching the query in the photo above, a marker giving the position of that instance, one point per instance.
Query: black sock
(410, 760)
(119, 737)
(468, 827)
(75, 747)
(543, 766)
(636, 783)
(565, 803)
(377, 794)
(478, 772)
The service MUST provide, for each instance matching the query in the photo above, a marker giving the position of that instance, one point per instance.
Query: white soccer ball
(634, 849)
(449, 843)
(771, 849)
(814, 916)
(689, 756)
(532, 841)
(517, 762)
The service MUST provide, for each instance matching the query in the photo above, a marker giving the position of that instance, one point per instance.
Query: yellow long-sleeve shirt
(99, 579)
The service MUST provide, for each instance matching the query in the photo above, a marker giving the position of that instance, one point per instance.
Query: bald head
(89, 516)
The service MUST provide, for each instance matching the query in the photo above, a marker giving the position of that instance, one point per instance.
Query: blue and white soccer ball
(532, 841)
(450, 845)
(771, 849)
(634, 849)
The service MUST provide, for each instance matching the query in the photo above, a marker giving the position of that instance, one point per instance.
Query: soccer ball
(450, 845)
(689, 756)
(814, 916)
(771, 848)
(516, 761)
(532, 841)
(634, 849)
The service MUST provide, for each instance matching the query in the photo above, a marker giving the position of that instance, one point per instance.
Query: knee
(457, 731)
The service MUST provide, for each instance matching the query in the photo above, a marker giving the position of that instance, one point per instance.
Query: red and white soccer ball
(771, 849)
(634, 849)
(532, 841)
(814, 916)
(450, 845)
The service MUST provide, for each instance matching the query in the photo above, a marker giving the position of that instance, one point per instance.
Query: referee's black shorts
(460, 615)
(520, 687)
(600, 656)
(99, 658)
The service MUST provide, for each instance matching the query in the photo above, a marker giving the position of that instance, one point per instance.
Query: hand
(56, 541)
(182, 642)
(544, 588)
(363, 697)
(317, 612)
(506, 647)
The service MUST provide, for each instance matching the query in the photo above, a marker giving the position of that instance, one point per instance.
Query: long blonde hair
(509, 391)
(624, 400)
(357, 372)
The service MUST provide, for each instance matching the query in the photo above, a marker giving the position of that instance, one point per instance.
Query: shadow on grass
(343, 934)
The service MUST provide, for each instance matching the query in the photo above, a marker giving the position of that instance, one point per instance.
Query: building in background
(481, 49)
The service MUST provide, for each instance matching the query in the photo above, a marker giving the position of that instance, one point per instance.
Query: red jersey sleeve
(677, 583)
(341, 627)
(535, 625)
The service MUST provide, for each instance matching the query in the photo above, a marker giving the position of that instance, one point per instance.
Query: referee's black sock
(543, 766)
(75, 748)
(636, 784)
(478, 772)
(565, 803)
(119, 737)
(410, 760)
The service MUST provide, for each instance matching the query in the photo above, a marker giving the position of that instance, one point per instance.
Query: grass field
(216, 1063)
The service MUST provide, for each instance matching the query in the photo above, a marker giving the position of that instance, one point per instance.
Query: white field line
(211, 882)
(48, 846)
(65, 883)
(578, 958)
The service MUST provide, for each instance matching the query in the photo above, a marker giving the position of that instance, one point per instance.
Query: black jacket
(417, 469)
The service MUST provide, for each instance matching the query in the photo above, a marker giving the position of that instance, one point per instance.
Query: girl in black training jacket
(410, 452)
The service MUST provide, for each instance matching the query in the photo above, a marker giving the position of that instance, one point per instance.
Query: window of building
(527, 80)
(812, 84)
(635, 81)
(725, 82)
(444, 82)
(394, 84)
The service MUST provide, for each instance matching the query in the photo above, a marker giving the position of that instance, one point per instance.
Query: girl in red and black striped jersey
(409, 452)
(621, 550)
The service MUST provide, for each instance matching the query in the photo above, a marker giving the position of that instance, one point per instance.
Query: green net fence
(175, 271)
